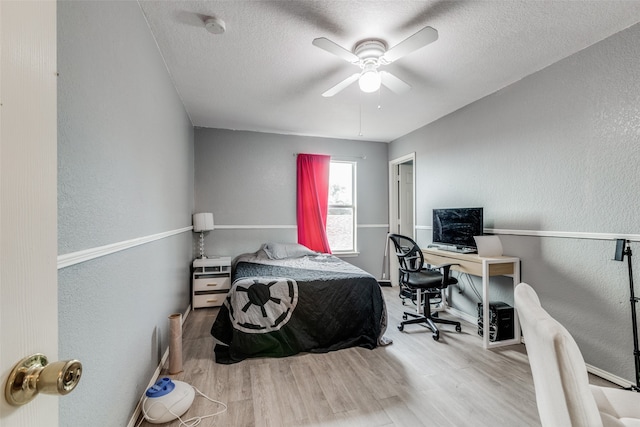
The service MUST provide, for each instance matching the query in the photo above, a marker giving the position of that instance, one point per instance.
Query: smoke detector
(215, 25)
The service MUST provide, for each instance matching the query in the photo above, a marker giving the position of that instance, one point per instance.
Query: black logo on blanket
(262, 304)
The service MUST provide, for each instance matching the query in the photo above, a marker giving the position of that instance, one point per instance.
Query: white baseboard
(154, 378)
(462, 315)
(608, 376)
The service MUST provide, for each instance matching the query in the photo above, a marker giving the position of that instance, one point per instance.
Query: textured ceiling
(263, 74)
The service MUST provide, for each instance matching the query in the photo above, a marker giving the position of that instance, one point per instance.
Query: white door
(28, 199)
(405, 199)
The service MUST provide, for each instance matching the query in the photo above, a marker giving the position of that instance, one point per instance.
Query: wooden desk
(485, 268)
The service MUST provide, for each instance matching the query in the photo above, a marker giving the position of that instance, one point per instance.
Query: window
(341, 214)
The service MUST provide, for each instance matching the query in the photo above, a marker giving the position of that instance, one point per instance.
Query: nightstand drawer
(209, 300)
(212, 283)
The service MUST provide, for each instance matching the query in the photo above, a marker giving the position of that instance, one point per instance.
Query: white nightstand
(211, 281)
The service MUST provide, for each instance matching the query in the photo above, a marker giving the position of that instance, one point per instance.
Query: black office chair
(414, 278)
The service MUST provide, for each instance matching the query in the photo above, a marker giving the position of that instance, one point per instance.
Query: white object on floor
(167, 400)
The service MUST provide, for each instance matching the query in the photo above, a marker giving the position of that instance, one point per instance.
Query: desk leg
(486, 326)
(485, 312)
(516, 319)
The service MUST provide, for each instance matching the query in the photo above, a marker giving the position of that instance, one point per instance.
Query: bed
(286, 299)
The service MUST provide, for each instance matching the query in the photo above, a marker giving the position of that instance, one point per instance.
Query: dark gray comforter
(278, 308)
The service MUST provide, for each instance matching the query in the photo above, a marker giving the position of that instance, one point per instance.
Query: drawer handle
(212, 300)
(212, 284)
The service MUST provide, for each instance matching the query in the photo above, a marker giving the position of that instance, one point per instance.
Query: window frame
(353, 206)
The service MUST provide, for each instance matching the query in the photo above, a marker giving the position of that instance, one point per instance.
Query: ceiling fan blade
(396, 85)
(420, 39)
(342, 85)
(331, 47)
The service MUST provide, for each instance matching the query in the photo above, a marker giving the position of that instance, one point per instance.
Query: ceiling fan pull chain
(360, 111)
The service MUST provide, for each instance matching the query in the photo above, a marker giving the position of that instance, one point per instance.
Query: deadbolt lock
(34, 374)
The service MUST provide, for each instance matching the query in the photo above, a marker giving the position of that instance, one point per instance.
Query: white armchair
(563, 393)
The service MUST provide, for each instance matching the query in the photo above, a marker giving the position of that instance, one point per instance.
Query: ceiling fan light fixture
(369, 55)
(369, 80)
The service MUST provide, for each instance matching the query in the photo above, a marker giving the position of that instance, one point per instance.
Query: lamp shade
(369, 80)
(202, 222)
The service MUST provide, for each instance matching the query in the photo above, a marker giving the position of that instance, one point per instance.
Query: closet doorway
(402, 212)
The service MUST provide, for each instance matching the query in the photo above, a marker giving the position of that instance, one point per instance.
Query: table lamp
(202, 222)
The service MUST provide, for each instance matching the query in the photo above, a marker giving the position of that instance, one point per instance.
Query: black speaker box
(500, 321)
(619, 256)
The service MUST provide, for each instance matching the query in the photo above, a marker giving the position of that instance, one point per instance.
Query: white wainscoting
(78, 257)
(73, 258)
(559, 234)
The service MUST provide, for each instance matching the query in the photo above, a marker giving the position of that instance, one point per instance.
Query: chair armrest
(439, 266)
(446, 276)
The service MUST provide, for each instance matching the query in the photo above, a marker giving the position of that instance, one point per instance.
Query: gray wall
(125, 171)
(249, 179)
(557, 151)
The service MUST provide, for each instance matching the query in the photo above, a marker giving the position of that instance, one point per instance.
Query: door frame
(394, 206)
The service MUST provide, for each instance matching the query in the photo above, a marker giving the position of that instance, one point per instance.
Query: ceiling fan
(371, 54)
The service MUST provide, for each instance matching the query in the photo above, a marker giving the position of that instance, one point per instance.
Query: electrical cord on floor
(191, 422)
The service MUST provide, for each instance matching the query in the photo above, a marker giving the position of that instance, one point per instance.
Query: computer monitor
(457, 226)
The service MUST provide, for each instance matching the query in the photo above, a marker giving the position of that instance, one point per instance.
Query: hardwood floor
(413, 382)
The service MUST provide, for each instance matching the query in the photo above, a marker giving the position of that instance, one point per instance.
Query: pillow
(286, 250)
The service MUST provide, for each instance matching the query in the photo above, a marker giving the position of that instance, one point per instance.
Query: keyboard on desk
(457, 249)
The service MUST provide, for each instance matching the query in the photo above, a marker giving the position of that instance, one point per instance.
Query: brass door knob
(34, 374)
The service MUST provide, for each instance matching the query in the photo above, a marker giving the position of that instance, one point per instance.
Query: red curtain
(312, 201)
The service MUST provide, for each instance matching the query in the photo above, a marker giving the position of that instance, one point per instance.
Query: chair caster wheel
(436, 314)
(458, 328)
(404, 317)
(400, 327)
(436, 336)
